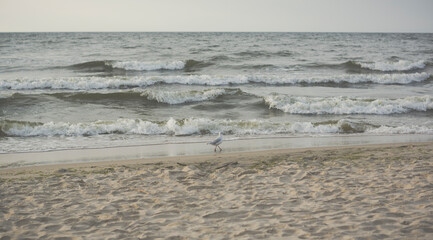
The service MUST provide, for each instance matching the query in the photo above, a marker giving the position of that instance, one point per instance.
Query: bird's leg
(215, 149)
(220, 148)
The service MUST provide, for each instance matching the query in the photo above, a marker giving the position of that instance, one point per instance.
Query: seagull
(217, 142)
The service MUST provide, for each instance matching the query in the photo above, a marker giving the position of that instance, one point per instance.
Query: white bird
(217, 142)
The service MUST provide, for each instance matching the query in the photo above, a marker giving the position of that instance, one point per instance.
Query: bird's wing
(217, 140)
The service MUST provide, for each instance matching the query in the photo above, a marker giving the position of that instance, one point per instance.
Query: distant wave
(110, 65)
(92, 66)
(198, 126)
(254, 54)
(346, 105)
(252, 66)
(192, 65)
(89, 83)
(220, 57)
(391, 66)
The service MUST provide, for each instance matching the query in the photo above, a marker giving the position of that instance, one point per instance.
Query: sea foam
(199, 126)
(401, 65)
(89, 83)
(148, 66)
(179, 97)
(401, 78)
(189, 126)
(411, 129)
(346, 105)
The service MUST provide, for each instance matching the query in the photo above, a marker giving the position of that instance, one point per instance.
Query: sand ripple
(353, 193)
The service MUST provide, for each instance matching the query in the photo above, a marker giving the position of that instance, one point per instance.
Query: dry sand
(361, 192)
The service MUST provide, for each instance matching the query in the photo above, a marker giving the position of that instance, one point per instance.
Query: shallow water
(96, 90)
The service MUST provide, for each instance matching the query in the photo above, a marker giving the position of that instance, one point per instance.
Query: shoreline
(379, 191)
(220, 157)
(196, 148)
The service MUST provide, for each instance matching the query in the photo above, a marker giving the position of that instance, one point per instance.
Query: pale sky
(217, 15)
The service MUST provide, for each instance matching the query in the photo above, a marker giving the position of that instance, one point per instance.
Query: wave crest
(92, 66)
(110, 65)
(360, 67)
(193, 65)
(148, 66)
(345, 105)
(401, 65)
(198, 126)
(88, 83)
(179, 97)
(401, 78)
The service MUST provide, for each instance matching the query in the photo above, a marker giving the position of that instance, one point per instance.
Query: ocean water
(96, 90)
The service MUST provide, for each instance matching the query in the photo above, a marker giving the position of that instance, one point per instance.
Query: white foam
(91, 83)
(401, 65)
(346, 105)
(200, 126)
(148, 66)
(188, 126)
(179, 97)
(6, 94)
(401, 78)
(412, 129)
(123, 126)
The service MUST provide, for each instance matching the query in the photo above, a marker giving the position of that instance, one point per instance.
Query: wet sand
(353, 192)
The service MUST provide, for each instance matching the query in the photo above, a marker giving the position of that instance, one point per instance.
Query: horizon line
(206, 32)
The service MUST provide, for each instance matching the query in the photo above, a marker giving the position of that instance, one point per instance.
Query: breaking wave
(161, 96)
(401, 78)
(194, 65)
(359, 67)
(109, 65)
(88, 83)
(401, 65)
(148, 66)
(179, 97)
(346, 105)
(197, 126)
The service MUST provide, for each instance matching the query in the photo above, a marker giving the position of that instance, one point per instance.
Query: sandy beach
(382, 191)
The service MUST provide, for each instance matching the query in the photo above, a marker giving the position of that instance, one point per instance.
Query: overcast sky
(217, 15)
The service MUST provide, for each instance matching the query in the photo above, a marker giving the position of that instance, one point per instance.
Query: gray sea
(98, 90)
